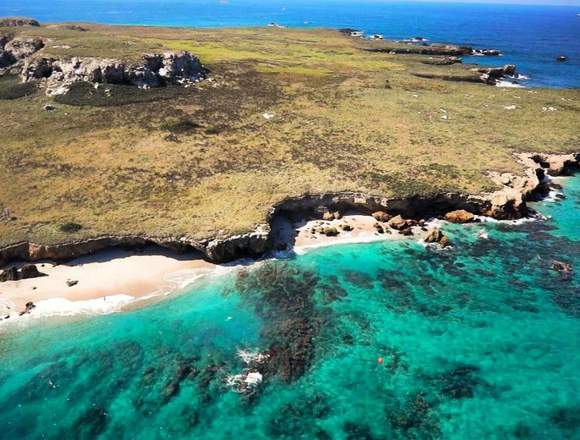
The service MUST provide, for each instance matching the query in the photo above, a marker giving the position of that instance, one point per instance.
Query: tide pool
(367, 341)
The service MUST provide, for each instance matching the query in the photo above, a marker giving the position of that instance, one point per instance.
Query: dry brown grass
(205, 162)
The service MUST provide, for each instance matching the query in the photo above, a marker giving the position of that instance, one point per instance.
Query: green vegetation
(12, 88)
(205, 161)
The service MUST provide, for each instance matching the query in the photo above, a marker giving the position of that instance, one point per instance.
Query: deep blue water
(530, 36)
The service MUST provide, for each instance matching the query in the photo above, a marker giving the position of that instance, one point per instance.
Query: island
(201, 139)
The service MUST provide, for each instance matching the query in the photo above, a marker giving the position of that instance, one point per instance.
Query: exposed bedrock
(434, 49)
(18, 22)
(153, 70)
(491, 75)
(14, 50)
(507, 203)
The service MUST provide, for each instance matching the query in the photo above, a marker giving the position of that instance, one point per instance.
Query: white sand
(107, 281)
(116, 280)
(363, 232)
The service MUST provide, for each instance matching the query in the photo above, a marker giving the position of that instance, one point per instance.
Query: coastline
(113, 281)
(108, 279)
(507, 203)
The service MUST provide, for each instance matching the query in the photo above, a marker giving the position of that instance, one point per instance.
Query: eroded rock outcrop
(153, 70)
(492, 75)
(14, 50)
(18, 22)
(434, 235)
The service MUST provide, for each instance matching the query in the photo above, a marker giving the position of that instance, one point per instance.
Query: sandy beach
(116, 280)
(106, 281)
(363, 231)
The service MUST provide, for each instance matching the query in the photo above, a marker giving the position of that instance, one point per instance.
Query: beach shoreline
(117, 280)
(105, 282)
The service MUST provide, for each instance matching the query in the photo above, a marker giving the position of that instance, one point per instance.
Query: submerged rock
(561, 266)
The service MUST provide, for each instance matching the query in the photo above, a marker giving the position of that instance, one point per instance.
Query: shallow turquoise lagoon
(368, 341)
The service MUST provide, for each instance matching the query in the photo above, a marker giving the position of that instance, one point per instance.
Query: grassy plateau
(204, 161)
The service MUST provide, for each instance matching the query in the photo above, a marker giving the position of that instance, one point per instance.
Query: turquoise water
(531, 36)
(479, 341)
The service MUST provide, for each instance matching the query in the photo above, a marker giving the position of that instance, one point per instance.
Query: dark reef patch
(283, 295)
(414, 419)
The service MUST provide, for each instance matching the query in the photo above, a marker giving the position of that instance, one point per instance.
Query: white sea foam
(510, 84)
(251, 357)
(63, 307)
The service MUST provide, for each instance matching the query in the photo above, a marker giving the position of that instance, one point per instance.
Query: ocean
(530, 36)
(384, 340)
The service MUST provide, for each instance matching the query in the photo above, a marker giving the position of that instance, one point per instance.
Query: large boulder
(434, 235)
(30, 271)
(459, 216)
(10, 274)
(381, 216)
(401, 224)
(15, 274)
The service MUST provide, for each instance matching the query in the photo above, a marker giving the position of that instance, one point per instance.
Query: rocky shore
(507, 203)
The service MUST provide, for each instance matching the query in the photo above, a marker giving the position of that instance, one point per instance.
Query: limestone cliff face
(509, 202)
(153, 70)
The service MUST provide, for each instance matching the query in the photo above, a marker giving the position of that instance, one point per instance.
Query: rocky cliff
(509, 202)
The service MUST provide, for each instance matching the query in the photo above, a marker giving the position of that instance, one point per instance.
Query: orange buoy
(380, 360)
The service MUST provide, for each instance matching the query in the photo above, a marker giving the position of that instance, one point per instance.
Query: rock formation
(381, 216)
(18, 21)
(435, 235)
(492, 75)
(459, 216)
(15, 274)
(153, 70)
(486, 52)
(14, 50)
